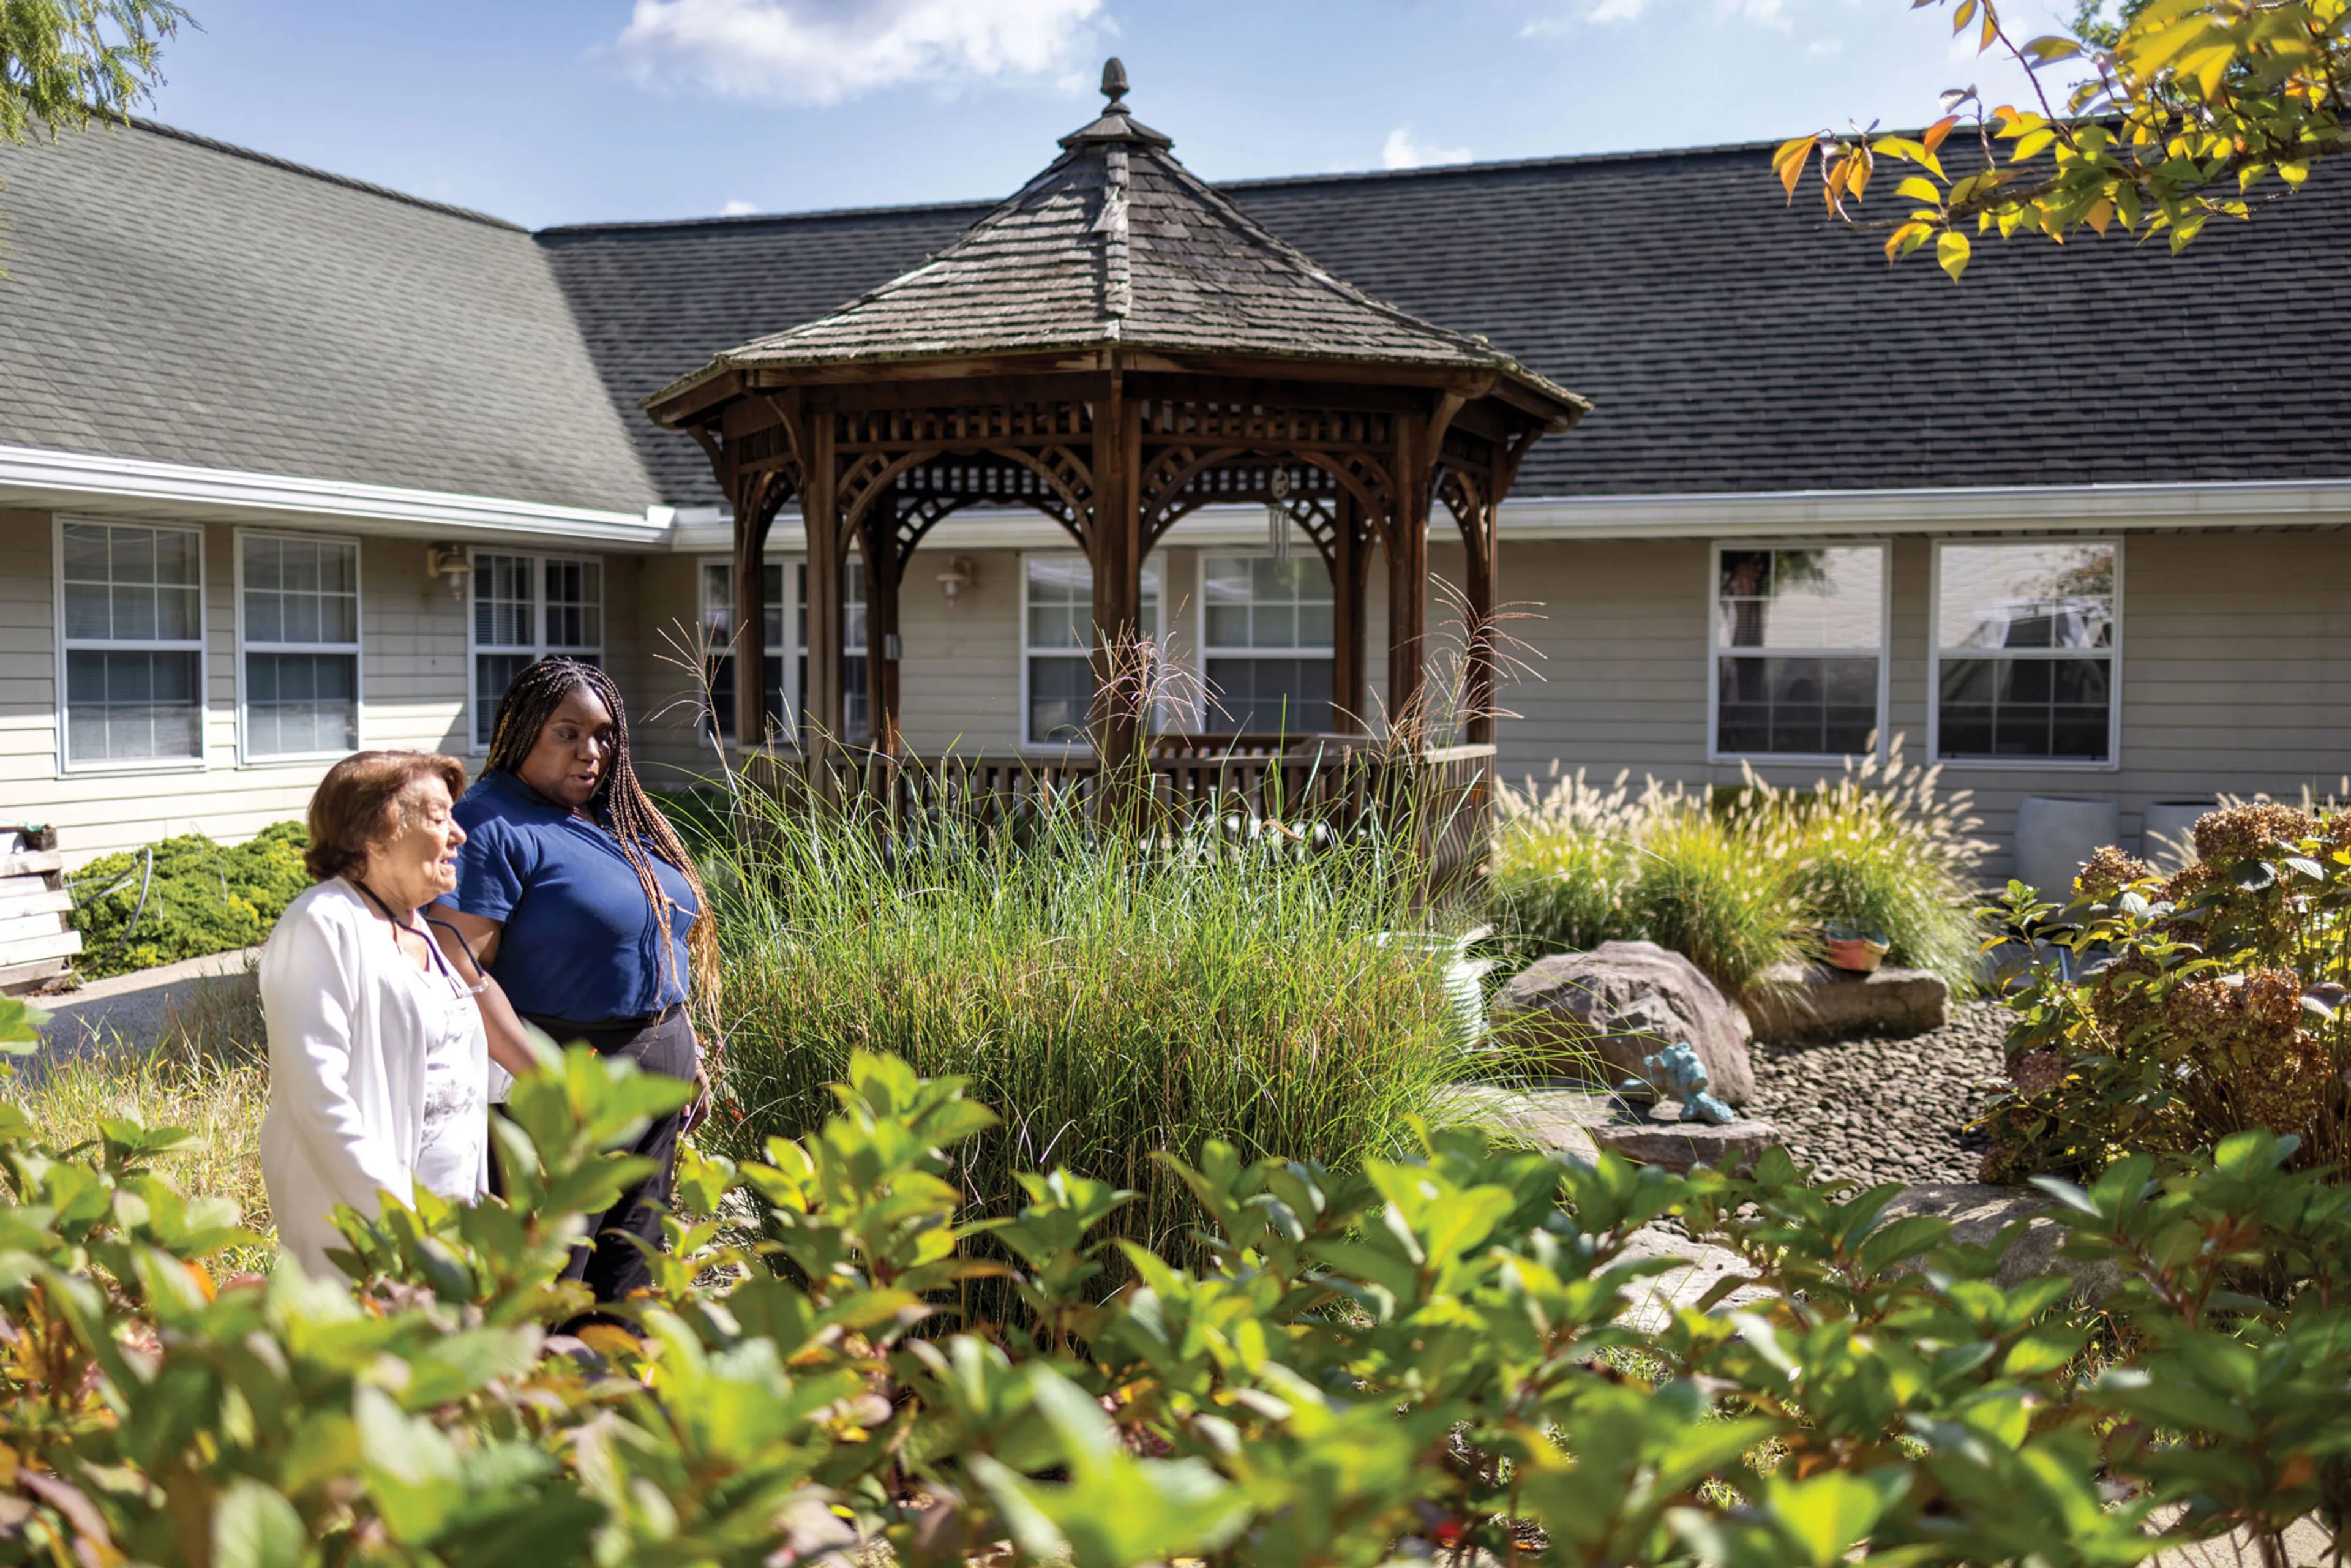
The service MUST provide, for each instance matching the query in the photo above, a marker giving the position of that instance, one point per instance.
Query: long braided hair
(620, 801)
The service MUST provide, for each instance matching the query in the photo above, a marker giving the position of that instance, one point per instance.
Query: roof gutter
(2230, 504)
(40, 478)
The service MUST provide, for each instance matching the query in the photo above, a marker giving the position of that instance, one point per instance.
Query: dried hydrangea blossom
(2241, 832)
(2110, 871)
(2038, 1072)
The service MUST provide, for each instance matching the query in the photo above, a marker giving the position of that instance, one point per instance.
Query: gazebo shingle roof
(1116, 245)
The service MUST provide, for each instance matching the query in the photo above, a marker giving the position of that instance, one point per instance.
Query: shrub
(204, 898)
(1116, 1000)
(1745, 880)
(2186, 1008)
(1446, 1355)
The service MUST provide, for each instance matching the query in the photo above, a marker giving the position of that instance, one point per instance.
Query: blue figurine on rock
(1676, 1073)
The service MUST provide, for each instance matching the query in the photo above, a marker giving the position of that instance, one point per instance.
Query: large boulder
(1624, 1001)
(1812, 1003)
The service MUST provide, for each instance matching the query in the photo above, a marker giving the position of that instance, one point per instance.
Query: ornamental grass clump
(2200, 1004)
(1745, 879)
(1117, 999)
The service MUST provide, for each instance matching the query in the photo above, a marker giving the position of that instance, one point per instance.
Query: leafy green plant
(1746, 879)
(201, 898)
(1450, 1350)
(2186, 1007)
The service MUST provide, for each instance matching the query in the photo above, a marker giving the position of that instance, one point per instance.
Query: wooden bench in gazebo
(1116, 346)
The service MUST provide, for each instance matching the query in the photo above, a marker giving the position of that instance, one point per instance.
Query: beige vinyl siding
(959, 678)
(2235, 670)
(660, 617)
(413, 686)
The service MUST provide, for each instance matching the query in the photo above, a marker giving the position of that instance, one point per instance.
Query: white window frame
(793, 647)
(786, 613)
(2113, 761)
(1083, 744)
(1207, 650)
(539, 648)
(245, 753)
(199, 646)
(1716, 649)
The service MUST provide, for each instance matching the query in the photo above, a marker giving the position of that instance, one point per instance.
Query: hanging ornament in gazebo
(1276, 515)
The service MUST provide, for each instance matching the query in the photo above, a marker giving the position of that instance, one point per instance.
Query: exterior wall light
(958, 576)
(448, 563)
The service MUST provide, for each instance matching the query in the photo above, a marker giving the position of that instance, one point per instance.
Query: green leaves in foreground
(1461, 1350)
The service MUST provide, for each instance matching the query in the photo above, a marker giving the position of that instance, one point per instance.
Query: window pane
(1060, 690)
(2049, 710)
(131, 706)
(503, 614)
(718, 598)
(130, 584)
(492, 675)
(2035, 595)
(1264, 697)
(1826, 597)
(296, 703)
(1060, 590)
(302, 590)
(1256, 601)
(575, 604)
(1795, 707)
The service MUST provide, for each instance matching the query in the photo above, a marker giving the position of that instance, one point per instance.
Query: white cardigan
(349, 1032)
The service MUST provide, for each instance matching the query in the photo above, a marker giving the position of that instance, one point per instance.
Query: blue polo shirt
(581, 941)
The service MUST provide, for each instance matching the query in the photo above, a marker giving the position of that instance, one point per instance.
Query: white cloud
(736, 209)
(1605, 13)
(1403, 152)
(823, 51)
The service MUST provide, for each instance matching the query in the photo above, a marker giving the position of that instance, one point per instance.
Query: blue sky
(550, 112)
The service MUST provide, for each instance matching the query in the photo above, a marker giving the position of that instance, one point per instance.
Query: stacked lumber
(35, 935)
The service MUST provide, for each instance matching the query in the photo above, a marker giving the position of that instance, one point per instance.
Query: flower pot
(1858, 955)
(2054, 834)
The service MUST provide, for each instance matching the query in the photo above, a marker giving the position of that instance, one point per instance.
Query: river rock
(1810, 1004)
(1977, 1210)
(1679, 1146)
(1625, 1000)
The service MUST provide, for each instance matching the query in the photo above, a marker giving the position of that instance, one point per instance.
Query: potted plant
(1853, 948)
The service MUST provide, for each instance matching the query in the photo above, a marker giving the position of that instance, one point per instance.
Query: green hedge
(1450, 1356)
(205, 898)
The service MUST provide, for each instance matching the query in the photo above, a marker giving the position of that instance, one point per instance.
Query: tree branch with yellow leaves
(2184, 111)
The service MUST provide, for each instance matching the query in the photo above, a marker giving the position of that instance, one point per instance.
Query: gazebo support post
(821, 711)
(1481, 535)
(1350, 559)
(1114, 545)
(1409, 586)
(883, 572)
(752, 522)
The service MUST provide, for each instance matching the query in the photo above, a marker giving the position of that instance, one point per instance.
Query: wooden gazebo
(1116, 346)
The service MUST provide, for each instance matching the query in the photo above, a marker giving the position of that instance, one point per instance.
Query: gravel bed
(1878, 1110)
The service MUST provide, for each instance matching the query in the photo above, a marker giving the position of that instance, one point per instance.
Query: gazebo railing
(1338, 784)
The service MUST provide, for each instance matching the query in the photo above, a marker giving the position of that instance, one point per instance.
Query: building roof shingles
(173, 299)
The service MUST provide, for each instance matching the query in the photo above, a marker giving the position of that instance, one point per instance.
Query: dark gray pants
(611, 1264)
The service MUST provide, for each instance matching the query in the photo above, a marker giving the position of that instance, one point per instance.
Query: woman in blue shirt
(575, 893)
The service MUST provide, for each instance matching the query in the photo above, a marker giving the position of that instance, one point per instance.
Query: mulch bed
(1877, 1109)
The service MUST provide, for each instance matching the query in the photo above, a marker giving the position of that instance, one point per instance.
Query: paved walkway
(131, 1009)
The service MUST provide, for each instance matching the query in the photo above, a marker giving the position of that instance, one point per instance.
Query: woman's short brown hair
(362, 801)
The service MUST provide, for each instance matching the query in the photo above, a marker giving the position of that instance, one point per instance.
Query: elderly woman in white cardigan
(379, 1065)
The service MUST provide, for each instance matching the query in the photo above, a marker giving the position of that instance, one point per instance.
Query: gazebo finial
(1114, 85)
